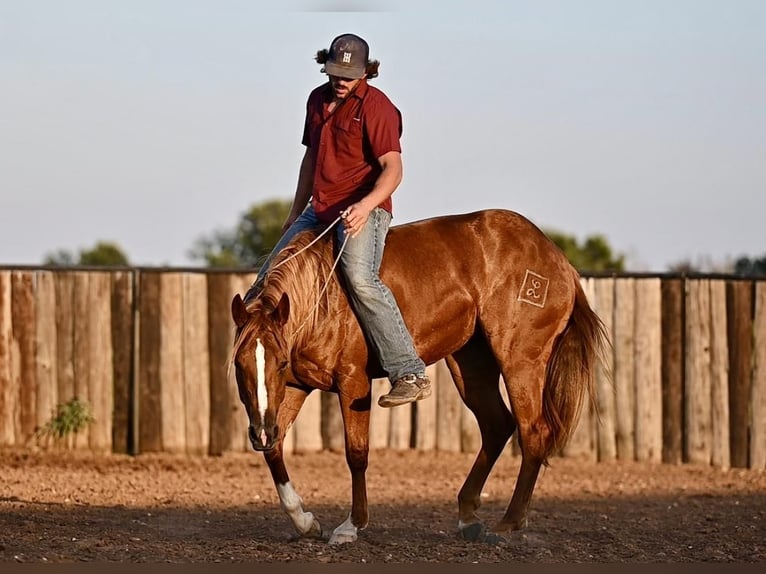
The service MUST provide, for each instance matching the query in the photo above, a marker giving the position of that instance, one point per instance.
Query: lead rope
(317, 238)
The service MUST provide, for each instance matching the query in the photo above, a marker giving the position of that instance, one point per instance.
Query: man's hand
(354, 218)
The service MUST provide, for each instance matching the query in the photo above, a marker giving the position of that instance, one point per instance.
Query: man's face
(342, 87)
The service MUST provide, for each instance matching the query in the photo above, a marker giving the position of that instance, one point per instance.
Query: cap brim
(333, 69)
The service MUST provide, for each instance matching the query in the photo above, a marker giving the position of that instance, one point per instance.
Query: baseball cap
(347, 57)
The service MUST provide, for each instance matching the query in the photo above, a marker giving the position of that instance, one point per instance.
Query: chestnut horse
(487, 291)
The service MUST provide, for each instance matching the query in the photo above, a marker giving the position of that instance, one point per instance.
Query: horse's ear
(282, 311)
(239, 311)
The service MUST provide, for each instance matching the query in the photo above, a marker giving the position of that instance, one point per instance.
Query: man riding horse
(351, 166)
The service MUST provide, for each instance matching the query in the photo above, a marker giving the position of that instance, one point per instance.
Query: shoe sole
(386, 401)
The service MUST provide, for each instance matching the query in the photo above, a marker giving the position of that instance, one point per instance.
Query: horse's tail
(571, 370)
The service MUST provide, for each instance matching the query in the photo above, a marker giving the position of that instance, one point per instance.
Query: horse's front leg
(289, 499)
(356, 425)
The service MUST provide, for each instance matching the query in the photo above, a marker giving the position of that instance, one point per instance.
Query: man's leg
(379, 313)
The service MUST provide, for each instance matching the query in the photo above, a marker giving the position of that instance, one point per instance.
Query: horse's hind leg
(289, 499)
(476, 376)
(525, 392)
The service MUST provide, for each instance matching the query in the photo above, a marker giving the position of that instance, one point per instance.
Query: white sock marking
(291, 503)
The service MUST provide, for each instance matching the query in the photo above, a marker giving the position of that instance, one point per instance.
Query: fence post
(123, 334)
(758, 392)
(673, 311)
(45, 337)
(719, 376)
(739, 326)
(624, 369)
(23, 367)
(196, 363)
(697, 386)
(605, 391)
(8, 391)
(648, 370)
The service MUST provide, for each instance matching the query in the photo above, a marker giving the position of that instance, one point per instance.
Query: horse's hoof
(473, 532)
(494, 538)
(342, 538)
(315, 531)
(344, 533)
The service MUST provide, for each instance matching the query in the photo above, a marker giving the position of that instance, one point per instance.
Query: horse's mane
(302, 273)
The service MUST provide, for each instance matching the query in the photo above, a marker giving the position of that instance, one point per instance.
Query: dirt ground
(156, 508)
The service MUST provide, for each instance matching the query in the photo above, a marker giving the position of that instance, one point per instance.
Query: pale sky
(151, 123)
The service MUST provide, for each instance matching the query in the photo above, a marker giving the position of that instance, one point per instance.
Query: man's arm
(389, 179)
(303, 189)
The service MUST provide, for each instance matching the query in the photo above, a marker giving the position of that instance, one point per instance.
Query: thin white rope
(318, 237)
(326, 284)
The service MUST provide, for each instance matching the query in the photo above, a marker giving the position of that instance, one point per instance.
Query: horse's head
(261, 364)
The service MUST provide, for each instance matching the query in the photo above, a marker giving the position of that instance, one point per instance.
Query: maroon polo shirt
(346, 145)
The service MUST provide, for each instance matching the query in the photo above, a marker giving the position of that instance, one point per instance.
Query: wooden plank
(148, 381)
(172, 387)
(624, 366)
(673, 309)
(379, 417)
(65, 313)
(758, 391)
(8, 391)
(239, 421)
(196, 363)
(697, 384)
(45, 335)
(582, 443)
(82, 344)
(719, 376)
(123, 349)
(448, 405)
(24, 326)
(332, 423)
(308, 425)
(648, 370)
(100, 365)
(400, 427)
(739, 327)
(220, 291)
(606, 436)
(425, 415)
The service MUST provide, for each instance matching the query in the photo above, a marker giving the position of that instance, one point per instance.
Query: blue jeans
(375, 306)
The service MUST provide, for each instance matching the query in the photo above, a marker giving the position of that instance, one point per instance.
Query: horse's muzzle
(260, 439)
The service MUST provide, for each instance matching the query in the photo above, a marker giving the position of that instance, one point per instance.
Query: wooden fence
(147, 349)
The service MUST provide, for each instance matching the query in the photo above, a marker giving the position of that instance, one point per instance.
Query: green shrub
(68, 419)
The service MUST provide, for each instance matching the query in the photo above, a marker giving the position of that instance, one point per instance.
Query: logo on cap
(346, 57)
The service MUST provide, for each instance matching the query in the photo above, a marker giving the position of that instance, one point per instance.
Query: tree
(102, 254)
(249, 242)
(594, 254)
(747, 267)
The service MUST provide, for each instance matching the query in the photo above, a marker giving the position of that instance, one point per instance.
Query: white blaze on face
(260, 370)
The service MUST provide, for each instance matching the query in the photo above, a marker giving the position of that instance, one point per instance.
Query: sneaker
(408, 389)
